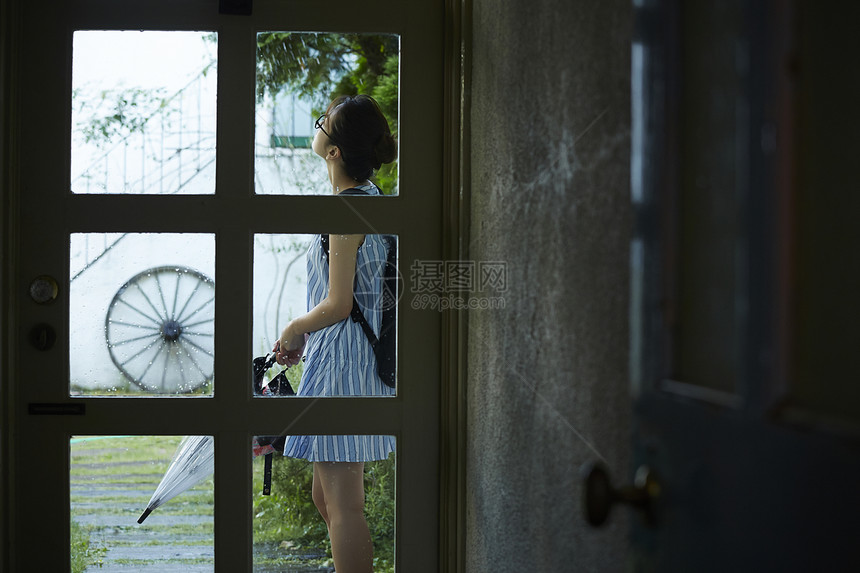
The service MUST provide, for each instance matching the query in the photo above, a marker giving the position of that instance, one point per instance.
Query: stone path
(111, 508)
(176, 538)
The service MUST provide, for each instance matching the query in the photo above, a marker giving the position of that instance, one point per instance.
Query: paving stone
(150, 542)
(161, 552)
(114, 490)
(155, 568)
(161, 536)
(151, 521)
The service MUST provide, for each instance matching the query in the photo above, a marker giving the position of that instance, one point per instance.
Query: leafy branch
(116, 113)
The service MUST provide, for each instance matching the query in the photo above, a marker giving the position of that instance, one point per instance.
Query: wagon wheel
(160, 329)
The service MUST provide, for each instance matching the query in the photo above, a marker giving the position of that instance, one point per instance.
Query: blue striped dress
(338, 358)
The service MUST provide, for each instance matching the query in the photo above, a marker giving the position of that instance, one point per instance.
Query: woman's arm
(336, 306)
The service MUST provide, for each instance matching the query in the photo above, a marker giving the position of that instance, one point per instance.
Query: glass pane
(284, 266)
(143, 112)
(290, 533)
(112, 481)
(709, 224)
(298, 75)
(142, 314)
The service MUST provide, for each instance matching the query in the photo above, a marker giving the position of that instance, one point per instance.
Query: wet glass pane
(290, 533)
(298, 75)
(143, 112)
(284, 266)
(142, 314)
(114, 479)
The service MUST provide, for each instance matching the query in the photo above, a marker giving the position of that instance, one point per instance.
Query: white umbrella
(192, 463)
(194, 459)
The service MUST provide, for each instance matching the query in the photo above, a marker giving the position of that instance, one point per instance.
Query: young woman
(354, 139)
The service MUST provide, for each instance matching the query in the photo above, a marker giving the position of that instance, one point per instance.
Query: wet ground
(111, 509)
(175, 538)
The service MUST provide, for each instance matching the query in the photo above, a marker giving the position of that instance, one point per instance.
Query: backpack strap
(382, 346)
(355, 313)
(358, 316)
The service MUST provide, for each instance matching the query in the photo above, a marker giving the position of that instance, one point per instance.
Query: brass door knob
(599, 495)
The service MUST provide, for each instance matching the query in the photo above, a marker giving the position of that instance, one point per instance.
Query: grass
(110, 463)
(156, 542)
(123, 387)
(176, 561)
(104, 449)
(177, 531)
(167, 509)
(187, 499)
(98, 477)
(84, 554)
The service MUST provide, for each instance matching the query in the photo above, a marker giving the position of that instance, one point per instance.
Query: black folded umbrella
(277, 386)
(261, 366)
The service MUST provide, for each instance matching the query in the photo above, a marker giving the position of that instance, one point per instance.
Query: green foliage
(115, 114)
(320, 67)
(80, 542)
(294, 375)
(105, 116)
(83, 553)
(288, 517)
(379, 509)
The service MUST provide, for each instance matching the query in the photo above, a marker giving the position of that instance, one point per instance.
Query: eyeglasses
(319, 125)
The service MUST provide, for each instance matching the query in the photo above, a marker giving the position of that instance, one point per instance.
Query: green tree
(322, 66)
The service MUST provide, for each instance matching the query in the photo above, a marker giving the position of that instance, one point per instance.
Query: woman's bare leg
(342, 486)
(319, 497)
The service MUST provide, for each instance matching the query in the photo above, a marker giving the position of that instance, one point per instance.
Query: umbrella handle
(267, 474)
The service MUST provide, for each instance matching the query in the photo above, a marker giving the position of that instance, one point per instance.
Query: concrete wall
(550, 122)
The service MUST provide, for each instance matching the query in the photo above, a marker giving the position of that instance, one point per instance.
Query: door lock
(43, 336)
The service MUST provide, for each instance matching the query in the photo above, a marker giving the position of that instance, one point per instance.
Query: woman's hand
(336, 306)
(288, 349)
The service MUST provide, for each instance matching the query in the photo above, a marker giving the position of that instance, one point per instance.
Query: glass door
(170, 199)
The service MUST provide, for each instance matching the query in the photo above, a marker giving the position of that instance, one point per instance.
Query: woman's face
(321, 141)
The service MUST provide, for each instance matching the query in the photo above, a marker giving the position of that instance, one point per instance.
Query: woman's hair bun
(359, 128)
(385, 149)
